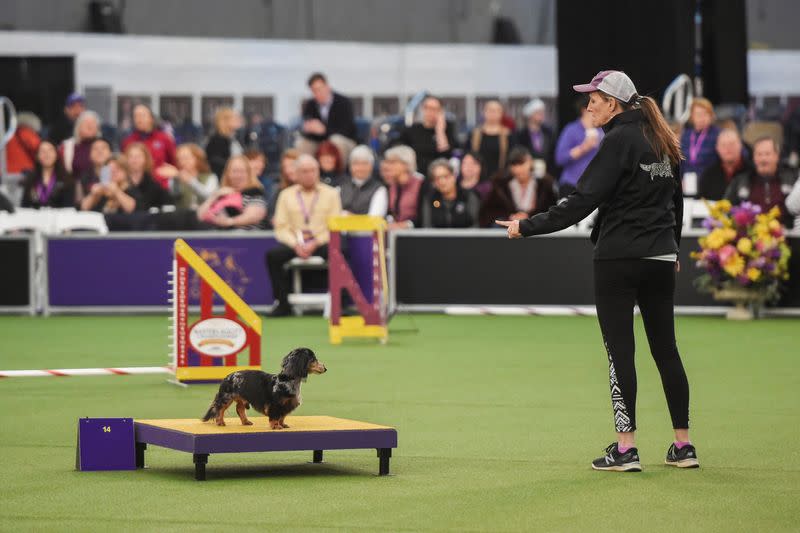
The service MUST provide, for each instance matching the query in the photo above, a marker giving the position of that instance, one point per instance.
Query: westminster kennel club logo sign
(217, 337)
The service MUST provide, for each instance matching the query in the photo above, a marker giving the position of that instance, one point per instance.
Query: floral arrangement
(744, 248)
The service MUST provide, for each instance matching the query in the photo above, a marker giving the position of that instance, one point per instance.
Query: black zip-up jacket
(640, 199)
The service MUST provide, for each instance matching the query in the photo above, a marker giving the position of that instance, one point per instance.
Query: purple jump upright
(371, 321)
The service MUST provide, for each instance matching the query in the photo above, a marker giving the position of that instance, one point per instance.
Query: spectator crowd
(424, 177)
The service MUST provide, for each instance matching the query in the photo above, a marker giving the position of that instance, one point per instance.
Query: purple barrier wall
(132, 270)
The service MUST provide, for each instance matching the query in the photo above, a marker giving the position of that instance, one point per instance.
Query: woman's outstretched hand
(512, 226)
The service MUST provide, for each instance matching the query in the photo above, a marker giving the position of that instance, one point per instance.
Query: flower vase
(747, 302)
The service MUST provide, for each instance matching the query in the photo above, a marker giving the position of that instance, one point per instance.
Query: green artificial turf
(498, 419)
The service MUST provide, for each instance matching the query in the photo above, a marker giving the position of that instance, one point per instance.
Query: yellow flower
(774, 213)
(716, 239)
(745, 245)
(734, 266)
(753, 274)
(774, 224)
(723, 205)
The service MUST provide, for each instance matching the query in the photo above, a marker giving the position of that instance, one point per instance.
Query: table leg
(140, 448)
(317, 456)
(383, 456)
(200, 460)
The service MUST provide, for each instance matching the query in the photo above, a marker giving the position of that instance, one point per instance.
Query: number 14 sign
(105, 444)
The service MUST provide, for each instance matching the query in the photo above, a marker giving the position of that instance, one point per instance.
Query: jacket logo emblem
(658, 170)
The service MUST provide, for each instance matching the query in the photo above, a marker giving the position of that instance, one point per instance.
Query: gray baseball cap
(612, 82)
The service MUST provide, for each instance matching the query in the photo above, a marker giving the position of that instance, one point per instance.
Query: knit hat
(537, 104)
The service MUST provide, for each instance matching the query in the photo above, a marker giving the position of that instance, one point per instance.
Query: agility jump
(210, 348)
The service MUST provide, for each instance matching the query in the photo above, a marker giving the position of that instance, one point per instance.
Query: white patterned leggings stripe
(619, 285)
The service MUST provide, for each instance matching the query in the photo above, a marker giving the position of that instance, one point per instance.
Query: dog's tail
(212, 411)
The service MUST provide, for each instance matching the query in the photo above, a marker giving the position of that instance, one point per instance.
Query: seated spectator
(361, 192)
(448, 205)
(577, 145)
(99, 155)
(301, 226)
(285, 180)
(159, 144)
(491, 139)
(766, 185)
(140, 168)
(328, 115)
(64, 127)
(239, 203)
(538, 137)
(74, 152)
(21, 148)
(470, 177)
(431, 138)
(48, 184)
(525, 191)
(715, 179)
(258, 164)
(404, 187)
(331, 166)
(223, 144)
(698, 144)
(191, 182)
(115, 196)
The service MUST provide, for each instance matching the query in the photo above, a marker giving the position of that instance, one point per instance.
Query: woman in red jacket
(158, 142)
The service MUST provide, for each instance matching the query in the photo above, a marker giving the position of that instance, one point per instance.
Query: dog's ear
(296, 362)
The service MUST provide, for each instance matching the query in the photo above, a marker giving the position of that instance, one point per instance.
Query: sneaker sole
(684, 463)
(629, 467)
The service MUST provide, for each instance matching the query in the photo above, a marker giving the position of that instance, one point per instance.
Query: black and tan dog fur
(272, 395)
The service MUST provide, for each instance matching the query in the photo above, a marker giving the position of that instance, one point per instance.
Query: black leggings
(618, 285)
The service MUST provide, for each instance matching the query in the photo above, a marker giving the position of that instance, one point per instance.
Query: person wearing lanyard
(698, 144)
(301, 226)
(537, 136)
(633, 180)
(48, 184)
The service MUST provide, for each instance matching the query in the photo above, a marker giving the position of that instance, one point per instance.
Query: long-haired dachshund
(271, 395)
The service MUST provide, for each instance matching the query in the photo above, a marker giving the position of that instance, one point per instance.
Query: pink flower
(726, 252)
(743, 217)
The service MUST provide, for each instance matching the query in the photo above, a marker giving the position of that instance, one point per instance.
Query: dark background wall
(652, 50)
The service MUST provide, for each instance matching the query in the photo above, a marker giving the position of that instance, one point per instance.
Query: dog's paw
(247, 423)
(220, 422)
(284, 426)
(274, 424)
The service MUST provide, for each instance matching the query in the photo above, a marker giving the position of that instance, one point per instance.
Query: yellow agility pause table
(316, 433)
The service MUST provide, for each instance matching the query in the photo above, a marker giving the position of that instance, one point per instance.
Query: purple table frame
(201, 446)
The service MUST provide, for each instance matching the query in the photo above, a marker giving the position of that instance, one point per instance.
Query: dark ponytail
(661, 137)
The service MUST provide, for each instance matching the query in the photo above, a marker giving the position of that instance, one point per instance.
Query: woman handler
(634, 182)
